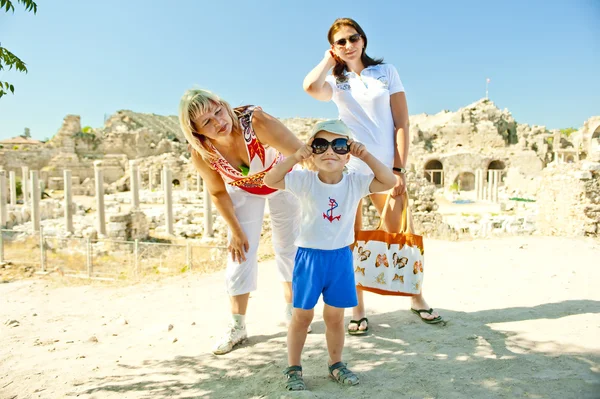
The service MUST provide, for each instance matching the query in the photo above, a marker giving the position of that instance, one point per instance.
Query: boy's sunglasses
(352, 39)
(339, 145)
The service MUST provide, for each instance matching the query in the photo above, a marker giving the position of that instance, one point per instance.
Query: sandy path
(524, 321)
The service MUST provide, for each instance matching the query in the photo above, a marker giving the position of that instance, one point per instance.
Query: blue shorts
(327, 272)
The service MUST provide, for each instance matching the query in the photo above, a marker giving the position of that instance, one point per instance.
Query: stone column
(99, 180)
(490, 176)
(25, 184)
(481, 175)
(186, 185)
(477, 183)
(166, 178)
(68, 200)
(198, 182)
(135, 185)
(13, 188)
(208, 225)
(139, 178)
(150, 178)
(3, 200)
(35, 200)
(496, 183)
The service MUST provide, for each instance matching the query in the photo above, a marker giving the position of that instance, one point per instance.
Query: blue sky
(92, 58)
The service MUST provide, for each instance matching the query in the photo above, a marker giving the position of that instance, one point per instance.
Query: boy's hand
(303, 153)
(358, 149)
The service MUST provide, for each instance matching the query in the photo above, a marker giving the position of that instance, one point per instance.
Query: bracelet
(400, 170)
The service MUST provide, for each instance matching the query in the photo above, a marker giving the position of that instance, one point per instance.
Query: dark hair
(340, 67)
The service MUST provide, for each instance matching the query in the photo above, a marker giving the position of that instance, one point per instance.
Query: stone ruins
(473, 173)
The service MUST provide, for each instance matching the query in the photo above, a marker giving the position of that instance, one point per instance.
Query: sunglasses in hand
(339, 145)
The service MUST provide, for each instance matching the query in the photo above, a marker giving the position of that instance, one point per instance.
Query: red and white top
(262, 158)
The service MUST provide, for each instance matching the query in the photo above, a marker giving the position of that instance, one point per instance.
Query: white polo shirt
(363, 103)
(328, 210)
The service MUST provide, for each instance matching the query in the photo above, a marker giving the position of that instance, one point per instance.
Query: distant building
(20, 142)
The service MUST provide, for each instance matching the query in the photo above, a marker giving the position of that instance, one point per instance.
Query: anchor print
(329, 214)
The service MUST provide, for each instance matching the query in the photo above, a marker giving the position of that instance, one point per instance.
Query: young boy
(329, 198)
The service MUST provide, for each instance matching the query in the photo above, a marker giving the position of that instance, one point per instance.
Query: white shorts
(241, 278)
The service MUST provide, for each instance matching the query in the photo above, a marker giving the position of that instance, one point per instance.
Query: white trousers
(241, 278)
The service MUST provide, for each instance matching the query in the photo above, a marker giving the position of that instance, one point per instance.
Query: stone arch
(570, 158)
(175, 182)
(465, 181)
(434, 172)
(595, 140)
(496, 164)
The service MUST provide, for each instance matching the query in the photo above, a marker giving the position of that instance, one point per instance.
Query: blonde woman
(232, 149)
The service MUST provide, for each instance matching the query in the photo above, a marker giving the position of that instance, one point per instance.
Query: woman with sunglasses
(371, 101)
(232, 149)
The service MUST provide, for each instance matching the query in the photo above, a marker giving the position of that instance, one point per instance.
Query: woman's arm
(401, 139)
(271, 131)
(314, 83)
(216, 187)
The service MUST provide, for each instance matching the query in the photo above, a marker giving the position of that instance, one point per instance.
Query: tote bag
(389, 263)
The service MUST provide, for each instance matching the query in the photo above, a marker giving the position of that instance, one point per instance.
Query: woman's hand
(400, 185)
(329, 56)
(238, 246)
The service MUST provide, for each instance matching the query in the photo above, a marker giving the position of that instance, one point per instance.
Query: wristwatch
(399, 170)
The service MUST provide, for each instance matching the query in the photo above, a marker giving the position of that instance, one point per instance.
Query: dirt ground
(523, 321)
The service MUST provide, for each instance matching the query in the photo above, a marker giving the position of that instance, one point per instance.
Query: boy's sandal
(357, 331)
(344, 375)
(438, 319)
(295, 382)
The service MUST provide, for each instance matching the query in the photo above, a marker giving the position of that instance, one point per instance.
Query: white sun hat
(335, 126)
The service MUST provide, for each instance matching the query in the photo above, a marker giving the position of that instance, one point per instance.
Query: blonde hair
(196, 102)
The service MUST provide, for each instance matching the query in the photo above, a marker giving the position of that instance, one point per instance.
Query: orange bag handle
(406, 225)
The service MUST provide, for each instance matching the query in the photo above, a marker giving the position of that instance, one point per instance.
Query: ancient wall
(569, 200)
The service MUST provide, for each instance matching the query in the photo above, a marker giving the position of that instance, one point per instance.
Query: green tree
(567, 132)
(7, 59)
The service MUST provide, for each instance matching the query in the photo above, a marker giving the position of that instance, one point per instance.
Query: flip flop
(357, 331)
(437, 320)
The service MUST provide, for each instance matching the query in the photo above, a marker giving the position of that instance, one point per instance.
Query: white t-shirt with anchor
(328, 210)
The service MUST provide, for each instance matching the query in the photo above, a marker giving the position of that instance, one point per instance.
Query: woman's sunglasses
(339, 145)
(352, 39)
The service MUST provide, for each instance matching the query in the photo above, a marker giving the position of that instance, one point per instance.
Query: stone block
(590, 166)
(583, 174)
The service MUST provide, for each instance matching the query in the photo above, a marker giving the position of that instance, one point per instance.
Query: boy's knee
(302, 317)
(332, 318)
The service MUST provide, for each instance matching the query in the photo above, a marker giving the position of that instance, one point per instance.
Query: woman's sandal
(344, 375)
(438, 319)
(295, 382)
(357, 331)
